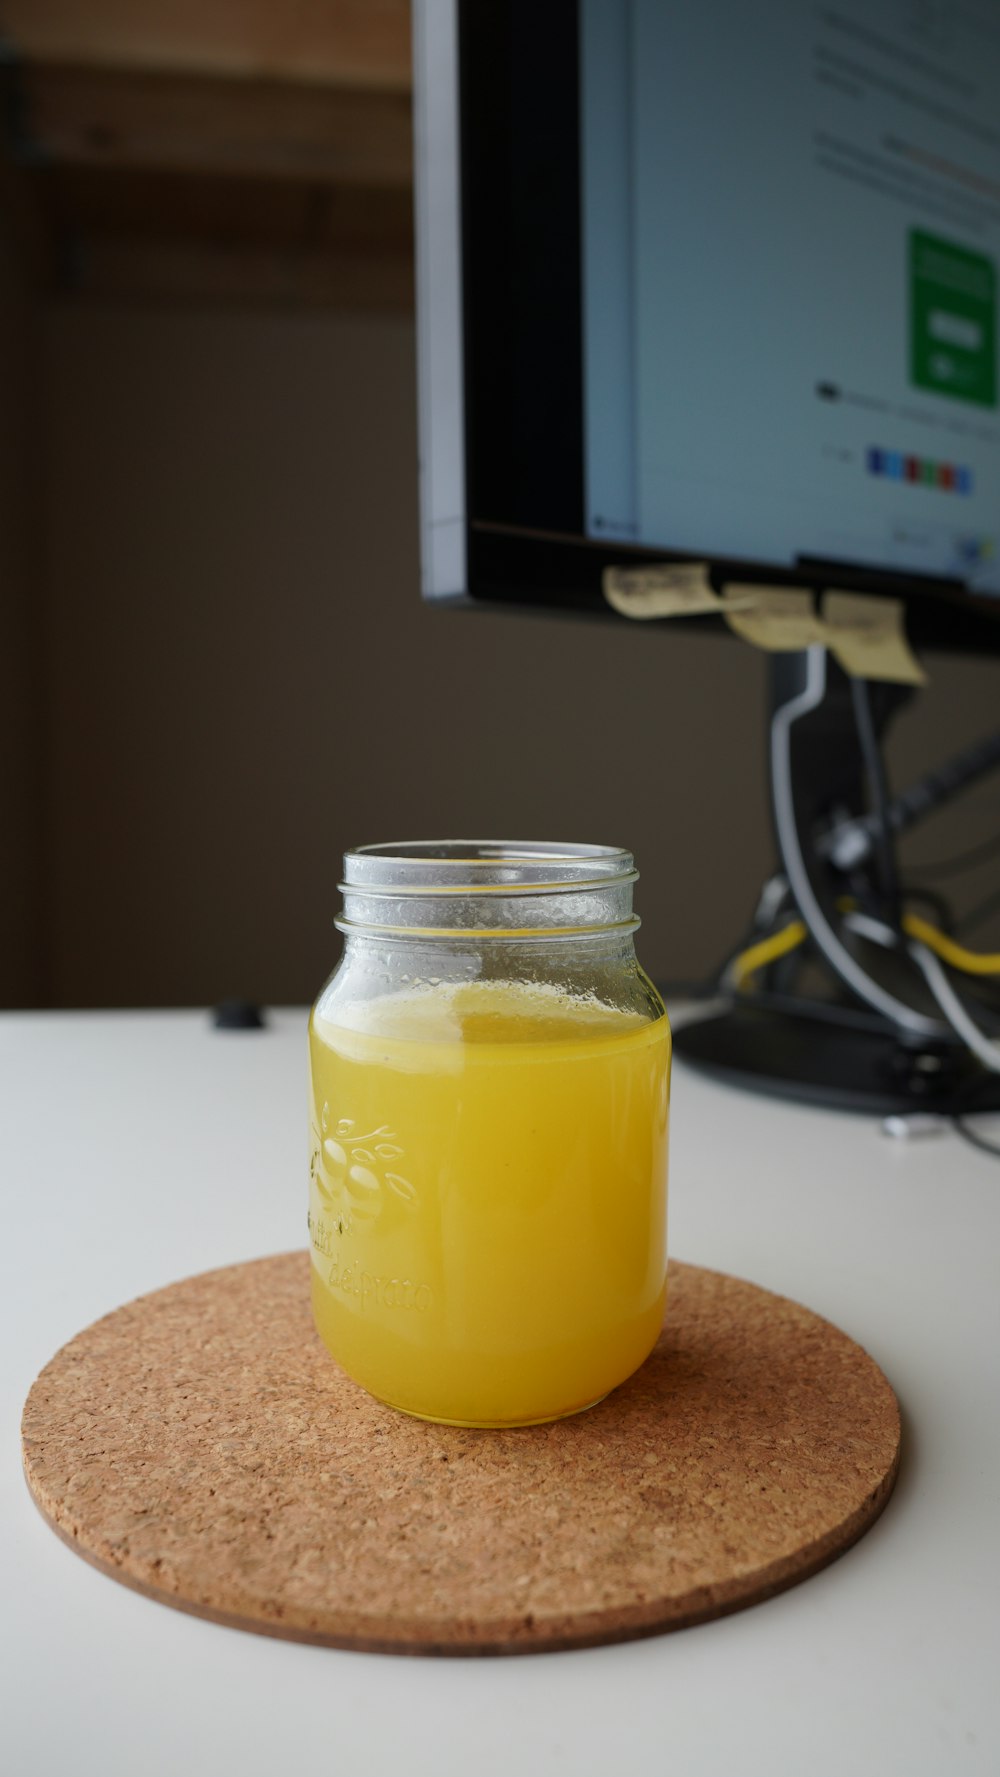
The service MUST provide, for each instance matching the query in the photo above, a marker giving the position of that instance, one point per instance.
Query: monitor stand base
(829, 1055)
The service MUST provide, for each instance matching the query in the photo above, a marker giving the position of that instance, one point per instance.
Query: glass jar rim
(484, 867)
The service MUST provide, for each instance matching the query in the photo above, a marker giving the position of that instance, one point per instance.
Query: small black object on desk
(238, 1015)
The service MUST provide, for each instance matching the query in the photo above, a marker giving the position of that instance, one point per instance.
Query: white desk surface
(142, 1147)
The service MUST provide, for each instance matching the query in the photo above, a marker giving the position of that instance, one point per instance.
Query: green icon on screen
(953, 320)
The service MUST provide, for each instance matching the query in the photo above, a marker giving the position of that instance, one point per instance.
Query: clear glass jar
(489, 1077)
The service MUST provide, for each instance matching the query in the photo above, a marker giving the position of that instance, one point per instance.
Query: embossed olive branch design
(356, 1164)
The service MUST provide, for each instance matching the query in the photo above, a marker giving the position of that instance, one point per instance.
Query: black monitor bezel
(522, 349)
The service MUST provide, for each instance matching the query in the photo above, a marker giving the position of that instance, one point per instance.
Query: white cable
(953, 1009)
(823, 934)
(974, 1039)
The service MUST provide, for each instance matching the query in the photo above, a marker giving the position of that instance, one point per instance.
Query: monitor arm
(867, 1035)
(813, 775)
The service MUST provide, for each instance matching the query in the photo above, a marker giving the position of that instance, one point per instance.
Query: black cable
(964, 860)
(932, 791)
(879, 791)
(961, 1128)
(944, 782)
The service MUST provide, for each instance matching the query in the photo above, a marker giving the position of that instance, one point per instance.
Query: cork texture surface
(201, 1445)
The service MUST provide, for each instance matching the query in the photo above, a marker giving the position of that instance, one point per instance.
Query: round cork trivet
(201, 1445)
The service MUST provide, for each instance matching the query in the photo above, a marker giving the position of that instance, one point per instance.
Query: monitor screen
(712, 282)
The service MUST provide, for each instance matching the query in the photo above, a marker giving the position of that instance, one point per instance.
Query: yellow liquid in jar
(488, 1198)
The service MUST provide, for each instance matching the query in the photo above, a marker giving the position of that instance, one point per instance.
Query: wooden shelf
(221, 152)
(363, 43)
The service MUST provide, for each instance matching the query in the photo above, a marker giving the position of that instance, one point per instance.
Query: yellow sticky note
(781, 619)
(669, 589)
(868, 637)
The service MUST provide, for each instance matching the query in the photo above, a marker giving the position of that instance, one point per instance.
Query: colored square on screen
(946, 475)
(913, 468)
(875, 460)
(930, 472)
(953, 320)
(963, 481)
(894, 464)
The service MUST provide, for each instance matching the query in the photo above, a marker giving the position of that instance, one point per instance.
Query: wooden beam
(84, 202)
(176, 240)
(246, 127)
(204, 274)
(341, 42)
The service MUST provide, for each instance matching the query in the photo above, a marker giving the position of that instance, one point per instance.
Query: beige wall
(243, 681)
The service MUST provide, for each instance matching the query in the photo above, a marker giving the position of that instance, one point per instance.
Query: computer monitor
(717, 284)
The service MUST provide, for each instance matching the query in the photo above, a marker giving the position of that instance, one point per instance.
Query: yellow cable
(757, 956)
(971, 962)
(779, 944)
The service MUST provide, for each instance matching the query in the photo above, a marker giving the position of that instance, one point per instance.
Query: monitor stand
(841, 1023)
(848, 1064)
